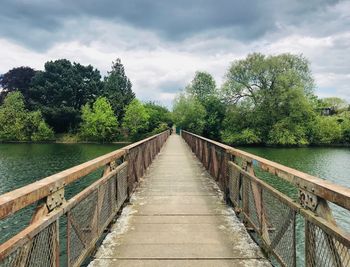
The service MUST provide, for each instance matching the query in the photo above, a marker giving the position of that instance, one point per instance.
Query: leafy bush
(17, 124)
(136, 119)
(286, 133)
(326, 130)
(99, 122)
(189, 114)
(247, 136)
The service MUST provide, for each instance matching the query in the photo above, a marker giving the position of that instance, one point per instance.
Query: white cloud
(158, 68)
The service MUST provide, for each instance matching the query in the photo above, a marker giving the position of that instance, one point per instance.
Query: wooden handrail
(17, 199)
(332, 192)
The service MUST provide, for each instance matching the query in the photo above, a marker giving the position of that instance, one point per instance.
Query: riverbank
(66, 139)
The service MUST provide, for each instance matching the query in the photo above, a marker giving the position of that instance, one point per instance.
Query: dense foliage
(263, 100)
(189, 114)
(141, 119)
(18, 124)
(60, 91)
(98, 121)
(17, 79)
(117, 88)
(73, 99)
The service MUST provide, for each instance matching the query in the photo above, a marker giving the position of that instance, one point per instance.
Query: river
(328, 163)
(21, 164)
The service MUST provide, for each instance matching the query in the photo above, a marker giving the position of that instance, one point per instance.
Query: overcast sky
(162, 43)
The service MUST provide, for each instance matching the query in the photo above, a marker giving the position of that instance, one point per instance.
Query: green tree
(259, 76)
(215, 114)
(271, 92)
(60, 91)
(136, 119)
(202, 86)
(118, 89)
(18, 124)
(189, 114)
(17, 79)
(159, 117)
(98, 122)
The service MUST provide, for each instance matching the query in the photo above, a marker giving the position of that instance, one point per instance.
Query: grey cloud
(38, 24)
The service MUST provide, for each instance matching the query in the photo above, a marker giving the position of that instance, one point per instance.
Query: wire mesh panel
(82, 227)
(323, 249)
(279, 228)
(234, 185)
(85, 215)
(107, 199)
(292, 233)
(41, 251)
(122, 186)
(251, 204)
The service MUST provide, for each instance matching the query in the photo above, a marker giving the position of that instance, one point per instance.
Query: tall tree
(215, 114)
(16, 79)
(61, 89)
(118, 89)
(258, 75)
(202, 86)
(274, 92)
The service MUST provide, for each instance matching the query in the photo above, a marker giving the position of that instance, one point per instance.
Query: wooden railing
(293, 232)
(84, 217)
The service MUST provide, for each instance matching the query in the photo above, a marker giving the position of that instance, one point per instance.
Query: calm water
(329, 163)
(22, 164)
(332, 164)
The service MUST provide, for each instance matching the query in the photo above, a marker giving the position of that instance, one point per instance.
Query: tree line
(72, 98)
(264, 100)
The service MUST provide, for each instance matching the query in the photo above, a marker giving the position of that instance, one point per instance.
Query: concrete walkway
(177, 218)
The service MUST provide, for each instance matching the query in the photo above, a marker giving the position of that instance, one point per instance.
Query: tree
(61, 90)
(202, 86)
(159, 117)
(271, 92)
(118, 89)
(215, 114)
(259, 76)
(16, 79)
(18, 124)
(189, 114)
(136, 119)
(98, 122)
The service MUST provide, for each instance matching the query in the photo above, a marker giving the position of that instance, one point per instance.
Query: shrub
(326, 130)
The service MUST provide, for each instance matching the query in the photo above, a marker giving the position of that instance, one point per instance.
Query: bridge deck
(177, 218)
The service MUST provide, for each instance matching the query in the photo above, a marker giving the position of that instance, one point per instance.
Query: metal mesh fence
(252, 206)
(324, 249)
(107, 192)
(82, 227)
(122, 186)
(289, 233)
(41, 251)
(279, 234)
(234, 186)
(83, 217)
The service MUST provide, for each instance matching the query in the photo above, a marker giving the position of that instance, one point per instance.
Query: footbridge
(177, 200)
